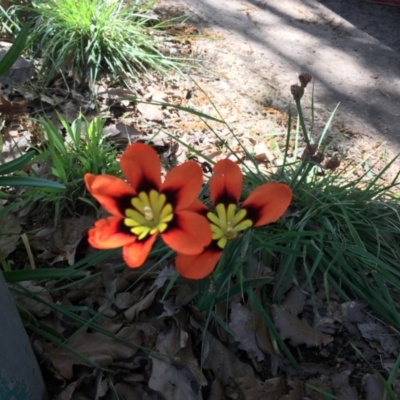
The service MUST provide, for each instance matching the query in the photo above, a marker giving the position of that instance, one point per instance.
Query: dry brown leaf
(224, 364)
(296, 329)
(320, 384)
(112, 282)
(143, 304)
(101, 383)
(129, 392)
(127, 299)
(97, 347)
(294, 301)
(264, 342)
(127, 130)
(10, 230)
(296, 393)
(62, 242)
(111, 131)
(343, 390)
(121, 132)
(262, 153)
(150, 332)
(351, 311)
(291, 327)
(150, 112)
(241, 321)
(148, 299)
(156, 94)
(35, 307)
(254, 389)
(374, 387)
(79, 292)
(185, 292)
(173, 383)
(376, 332)
(68, 392)
(176, 342)
(216, 392)
(124, 300)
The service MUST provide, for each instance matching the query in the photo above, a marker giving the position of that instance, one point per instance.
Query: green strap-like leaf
(28, 181)
(16, 164)
(15, 50)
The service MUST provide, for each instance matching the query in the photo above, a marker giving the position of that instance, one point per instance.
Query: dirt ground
(351, 48)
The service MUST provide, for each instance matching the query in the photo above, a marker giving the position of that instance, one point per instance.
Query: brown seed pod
(309, 152)
(332, 163)
(305, 79)
(296, 91)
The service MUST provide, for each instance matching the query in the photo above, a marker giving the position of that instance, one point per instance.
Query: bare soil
(256, 49)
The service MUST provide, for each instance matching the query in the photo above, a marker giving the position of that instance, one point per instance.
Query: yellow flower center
(227, 223)
(150, 214)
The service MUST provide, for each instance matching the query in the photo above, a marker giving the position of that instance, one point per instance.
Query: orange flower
(145, 207)
(265, 204)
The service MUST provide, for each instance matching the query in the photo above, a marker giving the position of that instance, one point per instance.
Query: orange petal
(199, 265)
(135, 254)
(188, 233)
(183, 184)
(226, 183)
(107, 190)
(267, 203)
(141, 166)
(107, 234)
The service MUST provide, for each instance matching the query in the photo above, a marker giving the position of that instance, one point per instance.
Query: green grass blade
(15, 50)
(16, 164)
(30, 182)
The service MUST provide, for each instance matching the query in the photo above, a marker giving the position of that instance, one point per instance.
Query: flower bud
(310, 154)
(332, 163)
(296, 91)
(304, 78)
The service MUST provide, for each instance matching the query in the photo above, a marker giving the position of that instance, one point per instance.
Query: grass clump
(85, 37)
(83, 148)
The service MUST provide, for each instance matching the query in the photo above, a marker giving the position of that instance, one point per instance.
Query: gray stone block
(20, 375)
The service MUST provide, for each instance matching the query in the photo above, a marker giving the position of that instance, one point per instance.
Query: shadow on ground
(350, 47)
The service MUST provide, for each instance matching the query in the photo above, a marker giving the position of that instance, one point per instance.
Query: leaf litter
(166, 351)
(159, 348)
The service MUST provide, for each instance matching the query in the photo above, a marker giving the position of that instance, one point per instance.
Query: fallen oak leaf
(341, 385)
(241, 323)
(172, 382)
(97, 347)
(133, 312)
(296, 329)
(151, 112)
(10, 230)
(374, 331)
(61, 243)
(290, 326)
(222, 362)
(255, 389)
(176, 342)
(32, 298)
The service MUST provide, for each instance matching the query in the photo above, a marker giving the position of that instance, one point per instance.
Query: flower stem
(303, 126)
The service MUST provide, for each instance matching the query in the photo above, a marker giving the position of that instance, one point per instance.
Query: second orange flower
(266, 204)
